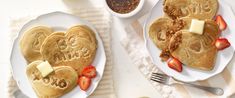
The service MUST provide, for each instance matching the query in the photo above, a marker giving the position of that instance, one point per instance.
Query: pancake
(84, 32)
(194, 50)
(200, 9)
(76, 49)
(56, 84)
(158, 30)
(161, 32)
(162, 29)
(31, 42)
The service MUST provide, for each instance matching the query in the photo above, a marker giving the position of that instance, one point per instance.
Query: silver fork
(167, 80)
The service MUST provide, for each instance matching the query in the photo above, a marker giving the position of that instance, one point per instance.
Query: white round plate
(189, 74)
(59, 22)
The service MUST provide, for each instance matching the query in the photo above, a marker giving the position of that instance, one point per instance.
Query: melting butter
(197, 26)
(45, 68)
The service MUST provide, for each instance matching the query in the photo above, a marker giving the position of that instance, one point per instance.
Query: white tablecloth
(128, 81)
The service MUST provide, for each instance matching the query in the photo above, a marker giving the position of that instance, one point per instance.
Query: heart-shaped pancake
(56, 84)
(31, 42)
(194, 50)
(84, 33)
(76, 48)
(163, 28)
(157, 32)
(200, 9)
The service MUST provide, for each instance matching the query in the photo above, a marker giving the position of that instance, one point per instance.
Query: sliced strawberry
(220, 21)
(89, 71)
(84, 82)
(222, 43)
(175, 64)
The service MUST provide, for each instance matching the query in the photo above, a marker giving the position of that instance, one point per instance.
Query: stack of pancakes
(67, 52)
(170, 33)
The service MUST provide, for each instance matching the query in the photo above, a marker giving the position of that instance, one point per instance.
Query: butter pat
(197, 26)
(45, 68)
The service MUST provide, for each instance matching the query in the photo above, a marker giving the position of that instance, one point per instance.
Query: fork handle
(213, 90)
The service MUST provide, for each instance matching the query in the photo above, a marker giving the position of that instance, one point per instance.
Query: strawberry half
(221, 23)
(175, 64)
(84, 82)
(89, 71)
(222, 43)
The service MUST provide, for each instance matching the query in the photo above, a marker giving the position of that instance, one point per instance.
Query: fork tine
(159, 74)
(159, 81)
(159, 78)
(156, 76)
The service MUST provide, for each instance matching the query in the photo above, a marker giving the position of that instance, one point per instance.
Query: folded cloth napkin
(134, 45)
(101, 20)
